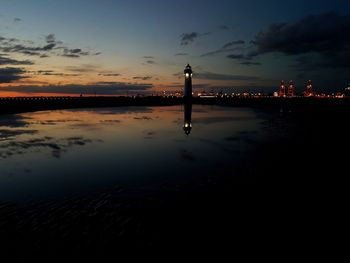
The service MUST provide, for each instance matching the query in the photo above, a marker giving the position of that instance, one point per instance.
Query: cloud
(148, 57)
(187, 38)
(224, 27)
(228, 47)
(109, 74)
(143, 78)
(102, 88)
(9, 74)
(84, 68)
(50, 38)
(236, 56)
(233, 43)
(249, 63)
(151, 62)
(53, 73)
(181, 54)
(5, 60)
(19, 48)
(245, 58)
(74, 53)
(327, 35)
(16, 20)
(51, 47)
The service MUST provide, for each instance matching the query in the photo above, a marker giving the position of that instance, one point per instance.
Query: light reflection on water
(53, 153)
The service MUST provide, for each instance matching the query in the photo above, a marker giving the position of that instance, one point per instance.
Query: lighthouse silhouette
(188, 82)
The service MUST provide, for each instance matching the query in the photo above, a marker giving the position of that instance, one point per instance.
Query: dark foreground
(278, 203)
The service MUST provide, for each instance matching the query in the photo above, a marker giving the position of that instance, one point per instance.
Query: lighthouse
(188, 82)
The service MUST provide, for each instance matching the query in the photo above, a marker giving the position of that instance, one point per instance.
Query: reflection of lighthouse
(188, 82)
(187, 118)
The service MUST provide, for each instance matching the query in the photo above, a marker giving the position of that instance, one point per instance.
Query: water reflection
(136, 147)
(187, 118)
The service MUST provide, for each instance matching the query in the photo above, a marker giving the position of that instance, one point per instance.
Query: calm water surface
(143, 149)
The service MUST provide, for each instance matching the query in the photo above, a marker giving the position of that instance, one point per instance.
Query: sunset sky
(110, 47)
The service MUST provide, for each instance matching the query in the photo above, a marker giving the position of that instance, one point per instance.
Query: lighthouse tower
(188, 82)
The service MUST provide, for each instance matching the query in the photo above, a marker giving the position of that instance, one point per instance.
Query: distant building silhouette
(347, 92)
(187, 118)
(291, 89)
(282, 90)
(309, 89)
(188, 82)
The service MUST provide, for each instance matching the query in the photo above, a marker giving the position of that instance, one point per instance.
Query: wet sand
(280, 190)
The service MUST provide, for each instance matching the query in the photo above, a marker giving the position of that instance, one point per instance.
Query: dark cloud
(236, 56)
(143, 78)
(5, 60)
(84, 68)
(9, 74)
(249, 63)
(50, 38)
(151, 62)
(327, 35)
(187, 38)
(245, 58)
(74, 53)
(49, 47)
(228, 47)
(181, 54)
(148, 57)
(224, 27)
(233, 43)
(109, 74)
(19, 48)
(31, 53)
(17, 20)
(52, 47)
(103, 88)
(318, 33)
(53, 73)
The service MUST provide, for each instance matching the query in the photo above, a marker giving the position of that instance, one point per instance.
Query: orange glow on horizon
(8, 94)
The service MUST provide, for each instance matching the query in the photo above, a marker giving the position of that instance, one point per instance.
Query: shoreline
(29, 104)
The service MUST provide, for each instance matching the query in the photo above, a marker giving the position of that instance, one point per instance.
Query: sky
(136, 46)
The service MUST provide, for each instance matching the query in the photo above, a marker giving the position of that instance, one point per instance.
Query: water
(53, 154)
